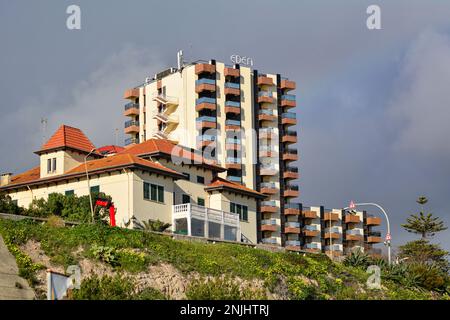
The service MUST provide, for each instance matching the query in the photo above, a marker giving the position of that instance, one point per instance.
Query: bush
(105, 288)
(217, 289)
(8, 206)
(357, 259)
(150, 294)
(55, 222)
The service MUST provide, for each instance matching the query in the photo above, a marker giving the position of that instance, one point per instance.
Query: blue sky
(373, 105)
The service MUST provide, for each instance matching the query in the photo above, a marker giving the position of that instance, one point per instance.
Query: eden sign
(237, 59)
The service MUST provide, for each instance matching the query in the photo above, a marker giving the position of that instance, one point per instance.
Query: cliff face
(127, 264)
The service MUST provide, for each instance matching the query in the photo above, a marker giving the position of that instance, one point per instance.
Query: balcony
(264, 80)
(309, 214)
(232, 88)
(266, 115)
(292, 245)
(131, 94)
(232, 124)
(290, 155)
(131, 127)
(289, 137)
(292, 227)
(265, 97)
(288, 101)
(289, 118)
(205, 140)
(331, 216)
(130, 141)
(232, 107)
(354, 235)
(333, 233)
(350, 218)
(290, 173)
(205, 103)
(165, 99)
(267, 133)
(233, 163)
(269, 225)
(287, 85)
(311, 230)
(313, 247)
(335, 249)
(206, 122)
(204, 84)
(266, 151)
(373, 221)
(131, 109)
(231, 72)
(199, 221)
(268, 207)
(267, 170)
(291, 191)
(374, 237)
(233, 146)
(204, 68)
(291, 209)
(268, 188)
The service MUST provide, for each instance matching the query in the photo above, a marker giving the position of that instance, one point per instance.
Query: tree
(7, 205)
(152, 225)
(423, 224)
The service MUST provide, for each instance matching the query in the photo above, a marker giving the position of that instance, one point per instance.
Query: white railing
(358, 232)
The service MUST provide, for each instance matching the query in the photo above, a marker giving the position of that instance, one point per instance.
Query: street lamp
(88, 183)
(388, 236)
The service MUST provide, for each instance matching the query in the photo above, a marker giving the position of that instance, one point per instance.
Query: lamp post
(388, 239)
(88, 183)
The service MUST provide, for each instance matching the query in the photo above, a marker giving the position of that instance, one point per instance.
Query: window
(153, 192)
(186, 198)
(187, 175)
(146, 190)
(201, 179)
(49, 165)
(54, 164)
(95, 189)
(69, 193)
(240, 209)
(201, 202)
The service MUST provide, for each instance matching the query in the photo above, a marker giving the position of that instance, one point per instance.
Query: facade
(144, 184)
(238, 117)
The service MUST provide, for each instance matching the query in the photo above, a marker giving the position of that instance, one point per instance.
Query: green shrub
(299, 290)
(216, 289)
(105, 288)
(132, 261)
(55, 222)
(357, 259)
(150, 294)
(105, 254)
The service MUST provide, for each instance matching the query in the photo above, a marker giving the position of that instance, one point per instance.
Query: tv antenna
(44, 123)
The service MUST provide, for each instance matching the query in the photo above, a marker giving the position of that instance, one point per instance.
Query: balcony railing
(290, 133)
(291, 205)
(269, 222)
(205, 100)
(131, 105)
(292, 187)
(129, 141)
(267, 167)
(266, 112)
(291, 169)
(292, 224)
(131, 123)
(290, 97)
(288, 115)
(374, 234)
(232, 104)
(206, 137)
(206, 119)
(233, 160)
(293, 243)
(335, 247)
(230, 122)
(268, 203)
(356, 232)
(268, 185)
(265, 94)
(234, 178)
(334, 230)
(312, 227)
(205, 81)
(232, 85)
(313, 245)
(269, 241)
(267, 131)
(291, 151)
(267, 148)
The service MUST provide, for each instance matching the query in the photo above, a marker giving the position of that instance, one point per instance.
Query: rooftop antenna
(116, 133)
(44, 122)
(180, 62)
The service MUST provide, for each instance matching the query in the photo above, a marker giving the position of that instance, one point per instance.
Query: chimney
(5, 179)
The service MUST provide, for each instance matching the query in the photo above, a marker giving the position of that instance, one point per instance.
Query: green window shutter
(95, 189)
(238, 211)
(160, 194)
(69, 193)
(153, 192)
(146, 190)
(201, 202)
(245, 213)
(232, 207)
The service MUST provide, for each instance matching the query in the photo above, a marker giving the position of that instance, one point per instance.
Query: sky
(373, 105)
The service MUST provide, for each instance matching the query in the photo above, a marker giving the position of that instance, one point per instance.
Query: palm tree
(424, 224)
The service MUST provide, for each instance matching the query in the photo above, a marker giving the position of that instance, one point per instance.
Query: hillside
(127, 264)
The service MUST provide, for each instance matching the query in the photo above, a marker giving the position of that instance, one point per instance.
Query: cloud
(95, 105)
(421, 103)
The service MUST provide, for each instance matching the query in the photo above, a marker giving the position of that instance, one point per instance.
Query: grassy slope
(328, 280)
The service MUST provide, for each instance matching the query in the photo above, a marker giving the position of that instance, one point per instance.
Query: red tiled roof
(110, 149)
(68, 137)
(161, 146)
(220, 183)
(104, 164)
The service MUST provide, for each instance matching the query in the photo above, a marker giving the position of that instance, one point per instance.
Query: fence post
(206, 223)
(189, 217)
